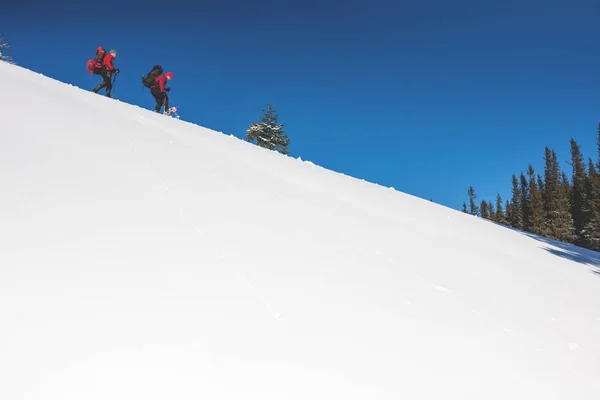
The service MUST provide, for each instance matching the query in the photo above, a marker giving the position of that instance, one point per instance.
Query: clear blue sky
(426, 96)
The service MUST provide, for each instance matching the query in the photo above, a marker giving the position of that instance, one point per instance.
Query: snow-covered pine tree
(3, 47)
(268, 133)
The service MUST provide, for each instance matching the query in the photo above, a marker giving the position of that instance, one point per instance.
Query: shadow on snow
(568, 251)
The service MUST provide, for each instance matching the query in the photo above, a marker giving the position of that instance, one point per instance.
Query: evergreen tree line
(551, 204)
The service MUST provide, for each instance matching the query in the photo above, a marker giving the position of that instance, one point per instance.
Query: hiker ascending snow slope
(103, 65)
(157, 83)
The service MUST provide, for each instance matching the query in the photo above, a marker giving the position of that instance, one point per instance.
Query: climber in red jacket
(106, 70)
(159, 91)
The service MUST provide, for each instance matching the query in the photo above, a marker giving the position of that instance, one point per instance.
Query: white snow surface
(144, 257)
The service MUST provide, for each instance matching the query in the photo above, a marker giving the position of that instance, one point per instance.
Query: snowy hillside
(142, 257)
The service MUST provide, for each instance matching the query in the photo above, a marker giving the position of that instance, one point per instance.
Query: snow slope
(142, 257)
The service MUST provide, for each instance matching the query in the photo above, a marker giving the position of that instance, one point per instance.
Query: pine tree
(464, 208)
(592, 228)
(515, 212)
(598, 144)
(524, 190)
(473, 209)
(559, 223)
(591, 233)
(500, 217)
(491, 211)
(541, 187)
(536, 203)
(565, 184)
(579, 204)
(550, 190)
(3, 47)
(567, 234)
(268, 133)
(507, 213)
(484, 210)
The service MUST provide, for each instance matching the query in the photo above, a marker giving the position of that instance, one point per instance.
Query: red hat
(169, 75)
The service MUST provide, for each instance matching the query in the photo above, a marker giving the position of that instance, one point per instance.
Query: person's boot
(97, 88)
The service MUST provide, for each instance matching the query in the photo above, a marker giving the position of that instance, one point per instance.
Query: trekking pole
(114, 79)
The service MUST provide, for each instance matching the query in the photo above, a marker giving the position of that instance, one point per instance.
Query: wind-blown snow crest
(143, 257)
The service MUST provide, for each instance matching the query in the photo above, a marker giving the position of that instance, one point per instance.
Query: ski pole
(114, 78)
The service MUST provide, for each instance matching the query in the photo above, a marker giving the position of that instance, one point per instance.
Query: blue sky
(426, 96)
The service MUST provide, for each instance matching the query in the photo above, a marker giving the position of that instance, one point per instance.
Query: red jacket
(108, 62)
(161, 81)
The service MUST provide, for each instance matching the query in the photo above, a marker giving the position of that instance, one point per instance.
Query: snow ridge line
(196, 229)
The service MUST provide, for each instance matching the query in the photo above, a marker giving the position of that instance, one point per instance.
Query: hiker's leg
(99, 86)
(158, 98)
(107, 82)
(166, 102)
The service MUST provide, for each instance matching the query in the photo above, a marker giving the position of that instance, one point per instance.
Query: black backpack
(150, 77)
